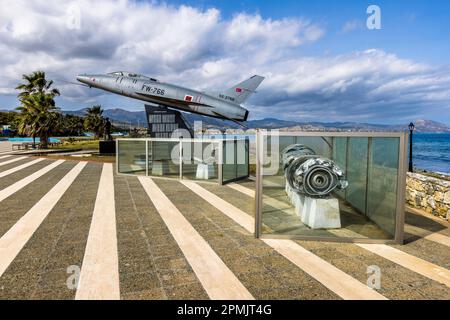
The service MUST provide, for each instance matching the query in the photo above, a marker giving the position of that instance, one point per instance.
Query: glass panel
(357, 173)
(340, 157)
(242, 158)
(131, 157)
(319, 188)
(229, 161)
(164, 158)
(200, 160)
(382, 192)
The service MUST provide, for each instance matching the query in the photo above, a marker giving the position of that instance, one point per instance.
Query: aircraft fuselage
(153, 91)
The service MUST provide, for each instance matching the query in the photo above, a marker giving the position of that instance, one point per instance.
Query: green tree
(94, 120)
(75, 124)
(38, 115)
(71, 125)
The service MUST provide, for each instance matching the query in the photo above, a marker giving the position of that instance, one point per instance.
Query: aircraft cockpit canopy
(131, 75)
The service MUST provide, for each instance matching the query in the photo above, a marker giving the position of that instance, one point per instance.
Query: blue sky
(414, 29)
(320, 60)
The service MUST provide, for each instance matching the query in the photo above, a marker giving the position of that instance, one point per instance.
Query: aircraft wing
(182, 102)
(235, 121)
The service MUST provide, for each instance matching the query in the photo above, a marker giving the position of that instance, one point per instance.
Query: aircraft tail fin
(243, 90)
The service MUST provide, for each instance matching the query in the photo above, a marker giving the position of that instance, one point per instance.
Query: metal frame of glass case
(143, 158)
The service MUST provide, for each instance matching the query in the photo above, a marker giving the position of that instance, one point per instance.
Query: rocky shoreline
(429, 193)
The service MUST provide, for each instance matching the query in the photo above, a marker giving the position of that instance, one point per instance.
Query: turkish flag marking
(188, 98)
(238, 90)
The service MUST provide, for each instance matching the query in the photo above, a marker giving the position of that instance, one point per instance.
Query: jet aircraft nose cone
(83, 78)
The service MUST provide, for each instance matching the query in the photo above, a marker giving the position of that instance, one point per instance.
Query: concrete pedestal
(321, 213)
(107, 147)
(205, 171)
(315, 213)
(160, 168)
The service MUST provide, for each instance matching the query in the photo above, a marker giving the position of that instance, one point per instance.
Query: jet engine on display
(310, 174)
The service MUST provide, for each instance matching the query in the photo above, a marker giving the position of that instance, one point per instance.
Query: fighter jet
(223, 105)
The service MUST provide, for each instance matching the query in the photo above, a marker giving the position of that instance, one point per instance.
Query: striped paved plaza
(76, 230)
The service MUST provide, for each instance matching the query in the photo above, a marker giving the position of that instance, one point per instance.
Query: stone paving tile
(14, 164)
(187, 291)
(19, 175)
(267, 275)
(153, 294)
(153, 267)
(8, 157)
(236, 198)
(247, 183)
(397, 282)
(355, 260)
(151, 264)
(431, 251)
(52, 249)
(427, 223)
(15, 206)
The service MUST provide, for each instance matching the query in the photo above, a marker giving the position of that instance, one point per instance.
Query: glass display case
(215, 160)
(339, 186)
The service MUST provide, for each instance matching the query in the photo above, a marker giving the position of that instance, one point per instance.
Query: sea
(431, 152)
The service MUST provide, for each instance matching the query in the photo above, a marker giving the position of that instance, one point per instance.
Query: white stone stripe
(420, 266)
(216, 278)
(23, 166)
(5, 193)
(331, 277)
(3, 157)
(243, 219)
(401, 258)
(426, 234)
(11, 161)
(242, 189)
(15, 239)
(283, 206)
(99, 277)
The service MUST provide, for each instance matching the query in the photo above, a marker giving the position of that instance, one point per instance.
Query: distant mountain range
(136, 118)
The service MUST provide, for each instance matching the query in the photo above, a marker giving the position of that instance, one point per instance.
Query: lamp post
(411, 130)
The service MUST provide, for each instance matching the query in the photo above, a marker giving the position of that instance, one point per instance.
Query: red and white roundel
(188, 98)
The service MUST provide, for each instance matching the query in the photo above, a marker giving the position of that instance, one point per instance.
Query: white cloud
(201, 49)
(351, 25)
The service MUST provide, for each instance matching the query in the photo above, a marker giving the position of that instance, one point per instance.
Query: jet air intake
(310, 174)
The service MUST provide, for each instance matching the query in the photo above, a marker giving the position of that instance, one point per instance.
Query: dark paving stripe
(151, 265)
(7, 158)
(247, 183)
(427, 223)
(15, 206)
(264, 272)
(14, 164)
(397, 283)
(40, 269)
(19, 175)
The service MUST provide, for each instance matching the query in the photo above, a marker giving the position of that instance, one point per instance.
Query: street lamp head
(411, 126)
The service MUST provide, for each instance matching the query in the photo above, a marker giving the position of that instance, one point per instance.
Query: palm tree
(38, 112)
(94, 120)
(74, 125)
